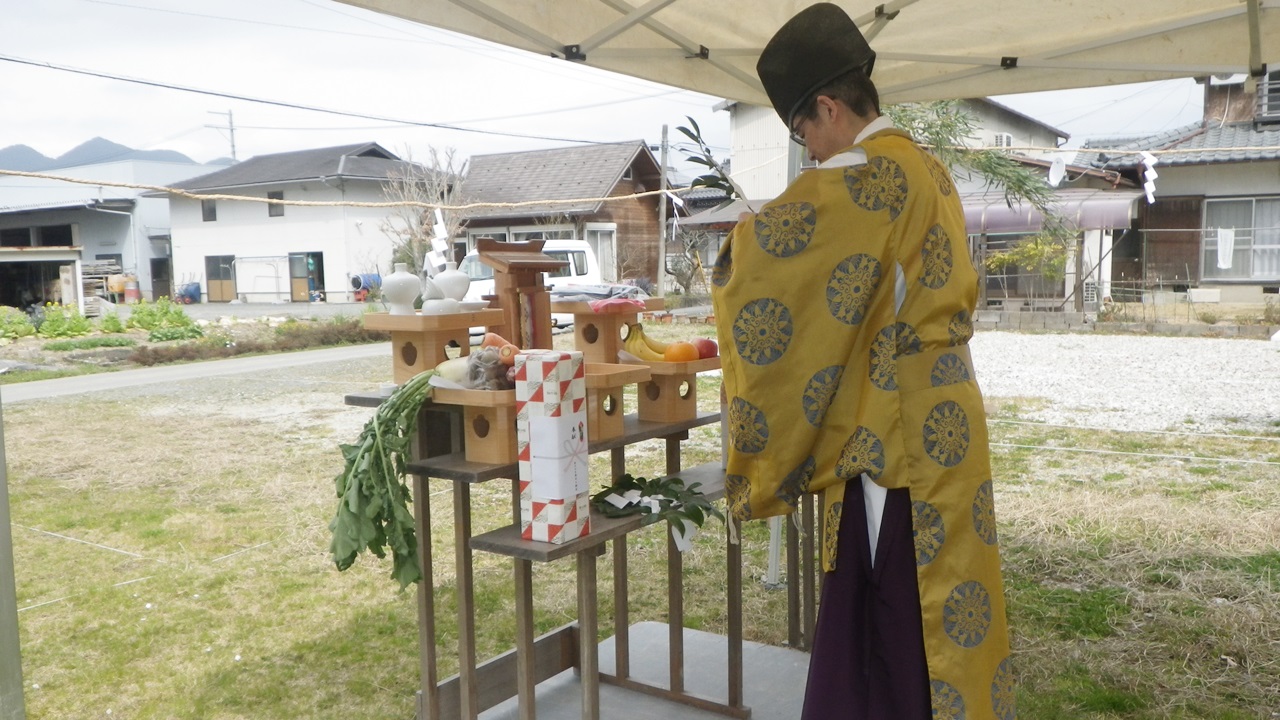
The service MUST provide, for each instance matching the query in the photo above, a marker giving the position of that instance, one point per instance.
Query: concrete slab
(773, 679)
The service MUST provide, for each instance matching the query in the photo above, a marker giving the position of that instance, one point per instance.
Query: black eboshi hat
(818, 45)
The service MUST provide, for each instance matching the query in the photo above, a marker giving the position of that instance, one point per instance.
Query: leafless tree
(411, 227)
(686, 265)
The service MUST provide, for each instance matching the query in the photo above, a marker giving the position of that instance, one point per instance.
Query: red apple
(707, 347)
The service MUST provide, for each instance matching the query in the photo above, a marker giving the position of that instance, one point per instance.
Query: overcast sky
(324, 54)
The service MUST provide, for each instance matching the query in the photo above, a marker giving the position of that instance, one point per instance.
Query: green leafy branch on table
(373, 511)
(674, 500)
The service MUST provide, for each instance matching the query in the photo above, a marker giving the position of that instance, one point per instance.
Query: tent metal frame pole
(1180, 24)
(621, 25)
(11, 704)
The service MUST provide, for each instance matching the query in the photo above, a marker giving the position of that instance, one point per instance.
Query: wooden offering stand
(671, 395)
(599, 335)
(420, 342)
(518, 289)
(467, 437)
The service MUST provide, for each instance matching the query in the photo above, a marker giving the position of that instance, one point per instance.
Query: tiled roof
(366, 160)
(1191, 145)
(589, 171)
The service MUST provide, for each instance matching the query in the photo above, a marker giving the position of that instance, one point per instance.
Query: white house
(260, 252)
(50, 229)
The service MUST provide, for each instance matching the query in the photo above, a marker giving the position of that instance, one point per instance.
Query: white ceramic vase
(400, 289)
(453, 283)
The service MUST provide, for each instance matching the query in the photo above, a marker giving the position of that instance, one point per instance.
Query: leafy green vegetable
(675, 501)
(373, 509)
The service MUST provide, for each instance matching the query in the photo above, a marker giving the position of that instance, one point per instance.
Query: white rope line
(342, 203)
(68, 597)
(1150, 432)
(1136, 454)
(86, 542)
(255, 547)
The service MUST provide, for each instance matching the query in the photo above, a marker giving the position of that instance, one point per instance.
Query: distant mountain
(24, 158)
(97, 150)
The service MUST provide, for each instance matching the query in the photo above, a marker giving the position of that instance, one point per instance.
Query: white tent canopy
(927, 49)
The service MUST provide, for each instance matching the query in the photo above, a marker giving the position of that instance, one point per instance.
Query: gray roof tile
(365, 160)
(1194, 145)
(589, 171)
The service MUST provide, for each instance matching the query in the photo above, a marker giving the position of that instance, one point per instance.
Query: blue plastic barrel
(366, 281)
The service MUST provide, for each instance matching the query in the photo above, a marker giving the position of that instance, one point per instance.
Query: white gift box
(551, 443)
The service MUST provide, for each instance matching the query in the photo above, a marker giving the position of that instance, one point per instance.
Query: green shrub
(14, 323)
(1207, 317)
(174, 332)
(162, 313)
(1271, 312)
(111, 323)
(89, 343)
(63, 321)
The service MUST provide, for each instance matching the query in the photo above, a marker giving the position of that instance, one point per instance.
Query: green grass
(1128, 579)
(89, 343)
(19, 376)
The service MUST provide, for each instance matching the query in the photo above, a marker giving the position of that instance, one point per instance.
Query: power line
(293, 106)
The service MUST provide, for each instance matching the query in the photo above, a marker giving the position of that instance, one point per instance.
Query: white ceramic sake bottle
(452, 282)
(400, 289)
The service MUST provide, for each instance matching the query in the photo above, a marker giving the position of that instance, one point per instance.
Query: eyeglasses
(797, 136)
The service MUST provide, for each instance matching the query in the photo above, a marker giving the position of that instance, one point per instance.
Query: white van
(583, 269)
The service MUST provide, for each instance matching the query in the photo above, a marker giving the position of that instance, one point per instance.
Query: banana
(636, 344)
(656, 345)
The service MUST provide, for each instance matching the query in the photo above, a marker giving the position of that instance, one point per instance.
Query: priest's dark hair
(853, 88)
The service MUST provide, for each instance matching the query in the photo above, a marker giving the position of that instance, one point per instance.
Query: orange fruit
(680, 352)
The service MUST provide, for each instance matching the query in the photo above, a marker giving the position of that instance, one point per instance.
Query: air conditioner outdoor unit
(1004, 140)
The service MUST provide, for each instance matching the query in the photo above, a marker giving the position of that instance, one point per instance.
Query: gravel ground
(1129, 382)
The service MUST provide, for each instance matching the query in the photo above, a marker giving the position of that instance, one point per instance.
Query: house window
(15, 237)
(209, 210)
(55, 236)
(274, 210)
(628, 174)
(549, 234)
(1241, 239)
(1268, 109)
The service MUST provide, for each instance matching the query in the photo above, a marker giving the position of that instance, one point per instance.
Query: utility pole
(11, 705)
(662, 217)
(230, 128)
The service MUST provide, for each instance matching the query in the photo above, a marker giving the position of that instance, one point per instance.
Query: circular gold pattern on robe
(950, 369)
(862, 453)
(1002, 692)
(984, 514)
(946, 434)
(948, 703)
(784, 230)
(884, 360)
(796, 483)
(908, 341)
(936, 257)
(878, 185)
(966, 615)
(722, 271)
(762, 331)
(941, 176)
(960, 328)
(748, 427)
(818, 393)
(831, 534)
(928, 530)
(737, 493)
(852, 284)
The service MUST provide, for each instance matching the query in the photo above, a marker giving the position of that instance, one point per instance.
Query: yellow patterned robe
(844, 309)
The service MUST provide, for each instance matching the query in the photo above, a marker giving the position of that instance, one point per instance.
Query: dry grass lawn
(171, 552)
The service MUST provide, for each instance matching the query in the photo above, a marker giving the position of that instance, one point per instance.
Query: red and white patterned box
(551, 444)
